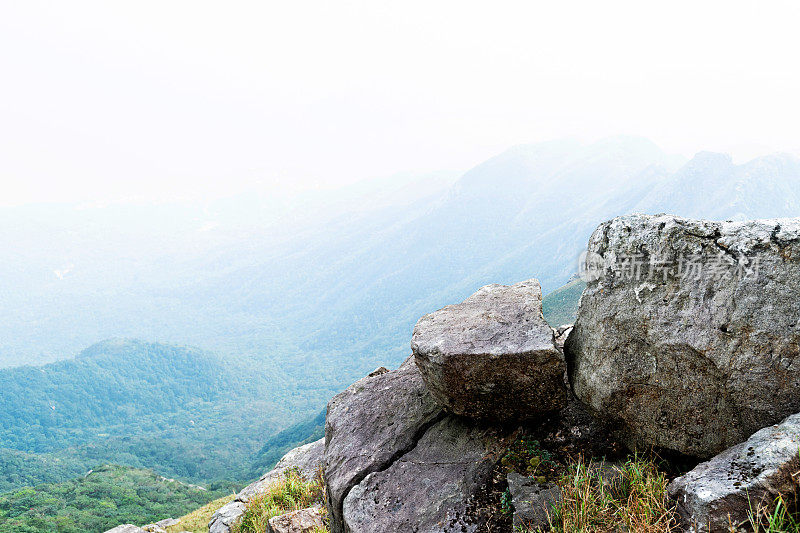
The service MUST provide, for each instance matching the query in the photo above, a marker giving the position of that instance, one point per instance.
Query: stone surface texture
(689, 338)
(493, 356)
(369, 425)
(302, 521)
(726, 488)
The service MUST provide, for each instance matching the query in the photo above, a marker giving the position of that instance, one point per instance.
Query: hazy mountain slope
(711, 186)
(178, 410)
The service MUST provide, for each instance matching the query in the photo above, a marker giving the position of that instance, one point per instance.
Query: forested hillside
(100, 500)
(178, 410)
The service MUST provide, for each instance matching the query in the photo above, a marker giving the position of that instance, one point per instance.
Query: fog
(157, 101)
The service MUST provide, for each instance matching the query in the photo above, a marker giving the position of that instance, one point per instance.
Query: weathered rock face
(305, 459)
(724, 489)
(432, 488)
(493, 356)
(689, 340)
(302, 521)
(126, 528)
(371, 424)
(533, 502)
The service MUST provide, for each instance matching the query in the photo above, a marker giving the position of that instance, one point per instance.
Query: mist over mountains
(291, 297)
(316, 278)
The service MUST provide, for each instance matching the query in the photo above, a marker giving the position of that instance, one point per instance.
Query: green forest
(100, 500)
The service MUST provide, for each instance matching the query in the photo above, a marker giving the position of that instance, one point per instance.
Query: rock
(435, 487)
(740, 479)
(153, 528)
(371, 424)
(302, 521)
(222, 521)
(561, 334)
(533, 502)
(306, 459)
(126, 528)
(493, 356)
(168, 522)
(687, 335)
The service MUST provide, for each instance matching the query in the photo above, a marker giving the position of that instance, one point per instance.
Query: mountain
(176, 409)
(293, 297)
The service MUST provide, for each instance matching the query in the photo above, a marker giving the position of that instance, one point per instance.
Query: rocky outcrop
(302, 521)
(369, 426)
(687, 336)
(533, 502)
(161, 526)
(725, 489)
(493, 356)
(395, 462)
(306, 460)
(432, 488)
(126, 528)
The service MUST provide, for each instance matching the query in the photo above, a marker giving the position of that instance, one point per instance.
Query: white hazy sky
(103, 100)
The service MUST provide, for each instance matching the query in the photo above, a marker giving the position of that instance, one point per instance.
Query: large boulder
(306, 460)
(735, 483)
(126, 528)
(493, 356)
(687, 335)
(435, 487)
(368, 426)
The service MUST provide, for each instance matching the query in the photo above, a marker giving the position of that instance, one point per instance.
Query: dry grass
(289, 494)
(631, 498)
(197, 521)
(775, 518)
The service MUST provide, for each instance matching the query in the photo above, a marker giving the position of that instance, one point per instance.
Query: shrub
(289, 494)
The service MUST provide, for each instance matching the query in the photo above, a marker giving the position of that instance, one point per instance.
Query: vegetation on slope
(177, 410)
(289, 494)
(106, 497)
(197, 521)
(560, 307)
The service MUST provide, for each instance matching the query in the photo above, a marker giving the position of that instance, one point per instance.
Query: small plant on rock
(289, 494)
(526, 456)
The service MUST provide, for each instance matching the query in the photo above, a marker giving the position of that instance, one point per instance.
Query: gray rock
(432, 488)
(168, 522)
(724, 489)
(153, 528)
(533, 502)
(561, 334)
(493, 356)
(302, 521)
(690, 360)
(371, 424)
(126, 528)
(306, 459)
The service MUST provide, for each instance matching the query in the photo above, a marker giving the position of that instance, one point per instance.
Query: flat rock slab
(306, 460)
(687, 338)
(533, 502)
(368, 426)
(493, 356)
(433, 488)
(726, 488)
(126, 528)
(302, 521)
